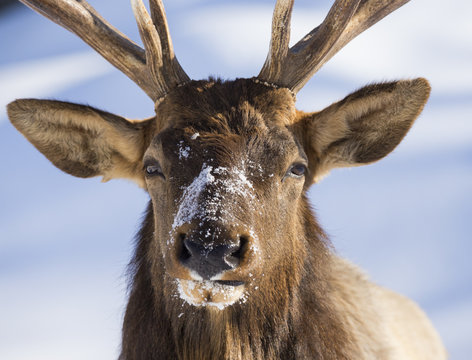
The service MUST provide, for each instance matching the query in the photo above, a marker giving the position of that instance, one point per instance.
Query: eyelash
(297, 170)
(153, 169)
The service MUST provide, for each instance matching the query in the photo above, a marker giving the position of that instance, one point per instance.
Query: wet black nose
(210, 260)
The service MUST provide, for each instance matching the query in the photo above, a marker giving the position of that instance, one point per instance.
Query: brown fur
(302, 301)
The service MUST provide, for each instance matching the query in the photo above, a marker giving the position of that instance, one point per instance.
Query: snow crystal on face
(254, 247)
(244, 179)
(225, 181)
(203, 293)
(184, 151)
(194, 136)
(195, 276)
(235, 182)
(189, 205)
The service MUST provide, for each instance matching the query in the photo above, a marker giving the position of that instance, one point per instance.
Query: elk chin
(216, 294)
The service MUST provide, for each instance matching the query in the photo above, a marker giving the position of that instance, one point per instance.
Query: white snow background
(407, 220)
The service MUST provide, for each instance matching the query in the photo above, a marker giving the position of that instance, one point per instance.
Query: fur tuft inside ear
(83, 141)
(364, 127)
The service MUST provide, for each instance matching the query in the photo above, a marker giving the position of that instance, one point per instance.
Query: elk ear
(364, 127)
(83, 141)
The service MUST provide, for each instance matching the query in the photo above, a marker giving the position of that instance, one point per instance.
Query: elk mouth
(211, 293)
(229, 282)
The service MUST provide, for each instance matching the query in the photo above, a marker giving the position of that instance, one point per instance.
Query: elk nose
(210, 260)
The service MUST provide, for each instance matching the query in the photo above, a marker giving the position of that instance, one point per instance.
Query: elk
(230, 262)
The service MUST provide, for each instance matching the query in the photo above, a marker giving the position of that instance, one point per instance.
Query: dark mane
(263, 329)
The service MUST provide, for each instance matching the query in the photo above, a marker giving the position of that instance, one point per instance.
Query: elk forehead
(224, 129)
(214, 104)
(228, 126)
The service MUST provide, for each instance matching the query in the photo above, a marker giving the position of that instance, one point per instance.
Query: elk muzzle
(212, 262)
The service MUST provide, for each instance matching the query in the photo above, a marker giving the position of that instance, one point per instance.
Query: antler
(155, 70)
(293, 67)
(163, 65)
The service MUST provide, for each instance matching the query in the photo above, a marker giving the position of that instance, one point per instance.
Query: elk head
(226, 164)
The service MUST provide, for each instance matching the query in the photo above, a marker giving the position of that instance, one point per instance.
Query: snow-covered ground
(65, 242)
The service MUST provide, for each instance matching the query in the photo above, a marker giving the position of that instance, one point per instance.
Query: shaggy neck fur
(273, 324)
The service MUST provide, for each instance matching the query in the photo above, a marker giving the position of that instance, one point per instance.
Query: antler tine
(152, 44)
(82, 19)
(368, 13)
(298, 65)
(345, 20)
(164, 67)
(171, 65)
(279, 40)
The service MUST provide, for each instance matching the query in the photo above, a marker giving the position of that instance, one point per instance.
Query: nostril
(243, 241)
(237, 252)
(184, 250)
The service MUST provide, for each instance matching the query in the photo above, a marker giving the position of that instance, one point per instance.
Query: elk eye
(153, 169)
(297, 170)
